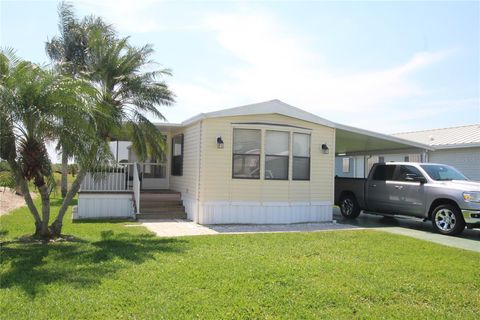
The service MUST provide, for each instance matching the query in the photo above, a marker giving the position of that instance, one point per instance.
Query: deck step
(162, 209)
(152, 203)
(165, 215)
(160, 197)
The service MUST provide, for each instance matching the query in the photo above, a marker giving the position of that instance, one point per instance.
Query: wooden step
(152, 203)
(162, 209)
(160, 197)
(165, 215)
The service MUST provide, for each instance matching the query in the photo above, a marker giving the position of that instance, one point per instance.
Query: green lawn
(117, 272)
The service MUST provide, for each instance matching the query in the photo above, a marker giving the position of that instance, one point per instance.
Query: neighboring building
(456, 146)
(262, 163)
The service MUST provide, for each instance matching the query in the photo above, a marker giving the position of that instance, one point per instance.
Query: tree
(128, 92)
(69, 53)
(33, 104)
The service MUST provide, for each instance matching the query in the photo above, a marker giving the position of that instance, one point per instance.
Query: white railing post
(136, 188)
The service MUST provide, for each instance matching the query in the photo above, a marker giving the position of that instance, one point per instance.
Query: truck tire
(447, 219)
(349, 207)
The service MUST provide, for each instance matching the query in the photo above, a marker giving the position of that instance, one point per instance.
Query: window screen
(301, 156)
(246, 153)
(277, 145)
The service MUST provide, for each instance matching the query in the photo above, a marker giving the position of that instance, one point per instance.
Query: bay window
(246, 153)
(277, 145)
(301, 156)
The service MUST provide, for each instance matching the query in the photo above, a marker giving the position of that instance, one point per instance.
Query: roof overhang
(351, 140)
(348, 139)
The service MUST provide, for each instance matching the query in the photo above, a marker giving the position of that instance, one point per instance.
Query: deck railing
(114, 178)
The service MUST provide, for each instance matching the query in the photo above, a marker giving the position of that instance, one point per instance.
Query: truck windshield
(442, 172)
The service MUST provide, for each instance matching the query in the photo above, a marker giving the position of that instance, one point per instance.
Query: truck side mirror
(415, 178)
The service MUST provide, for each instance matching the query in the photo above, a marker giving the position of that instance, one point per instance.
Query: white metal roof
(353, 139)
(446, 138)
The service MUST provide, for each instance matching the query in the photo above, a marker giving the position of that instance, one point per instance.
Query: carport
(356, 150)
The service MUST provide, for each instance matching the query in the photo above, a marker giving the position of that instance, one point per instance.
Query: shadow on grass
(82, 264)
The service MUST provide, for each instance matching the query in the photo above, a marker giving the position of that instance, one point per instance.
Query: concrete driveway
(469, 239)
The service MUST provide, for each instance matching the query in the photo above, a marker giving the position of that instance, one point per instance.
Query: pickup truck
(435, 192)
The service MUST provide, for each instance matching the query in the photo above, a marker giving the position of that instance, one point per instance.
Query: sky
(383, 66)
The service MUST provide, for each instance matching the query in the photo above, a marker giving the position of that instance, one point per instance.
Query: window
(381, 159)
(346, 165)
(301, 156)
(177, 155)
(407, 159)
(401, 174)
(277, 145)
(246, 153)
(383, 172)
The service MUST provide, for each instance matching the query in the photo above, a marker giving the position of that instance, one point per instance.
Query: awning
(351, 140)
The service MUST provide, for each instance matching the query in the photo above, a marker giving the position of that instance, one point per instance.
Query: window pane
(276, 168)
(177, 145)
(301, 168)
(246, 166)
(346, 165)
(301, 145)
(277, 143)
(402, 172)
(246, 141)
(383, 172)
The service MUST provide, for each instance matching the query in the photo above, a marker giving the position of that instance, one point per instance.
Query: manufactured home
(262, 163)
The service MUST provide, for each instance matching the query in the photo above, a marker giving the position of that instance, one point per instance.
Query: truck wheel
(349, 207)
(447, 219)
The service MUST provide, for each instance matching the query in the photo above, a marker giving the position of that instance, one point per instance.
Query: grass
(118, 272)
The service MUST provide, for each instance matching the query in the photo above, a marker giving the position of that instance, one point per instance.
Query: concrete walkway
(180, 228)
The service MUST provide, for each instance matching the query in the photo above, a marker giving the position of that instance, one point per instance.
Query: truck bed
(352, 185)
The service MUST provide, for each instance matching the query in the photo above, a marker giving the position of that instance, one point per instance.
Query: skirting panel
(264, 213)
(104, 206)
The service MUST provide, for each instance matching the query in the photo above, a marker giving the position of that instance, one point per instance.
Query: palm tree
(34, 104)
(69, 52)
(127, 92)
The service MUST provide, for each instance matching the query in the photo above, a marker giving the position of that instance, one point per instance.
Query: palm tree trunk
(56, 226)
(45, 196)
(64, 185)
(22, 184)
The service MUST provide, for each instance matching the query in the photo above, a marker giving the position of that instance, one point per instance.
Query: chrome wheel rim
(445, 219)
(347, 206)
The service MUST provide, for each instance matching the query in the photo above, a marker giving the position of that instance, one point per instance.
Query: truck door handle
(373, 185)
(399, 187)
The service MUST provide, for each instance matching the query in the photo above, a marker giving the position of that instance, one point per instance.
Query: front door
(154, 175)
(409, 195)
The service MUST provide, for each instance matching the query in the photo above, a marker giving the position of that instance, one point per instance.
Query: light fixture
(220, 142)
(325, 148)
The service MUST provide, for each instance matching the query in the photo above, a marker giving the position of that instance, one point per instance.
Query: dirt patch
(9, 201)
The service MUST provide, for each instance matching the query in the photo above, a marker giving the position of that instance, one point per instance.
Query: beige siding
(187, 183)
(216, 174)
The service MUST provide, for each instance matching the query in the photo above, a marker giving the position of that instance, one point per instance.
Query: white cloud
(279, 64)
(126, 15)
